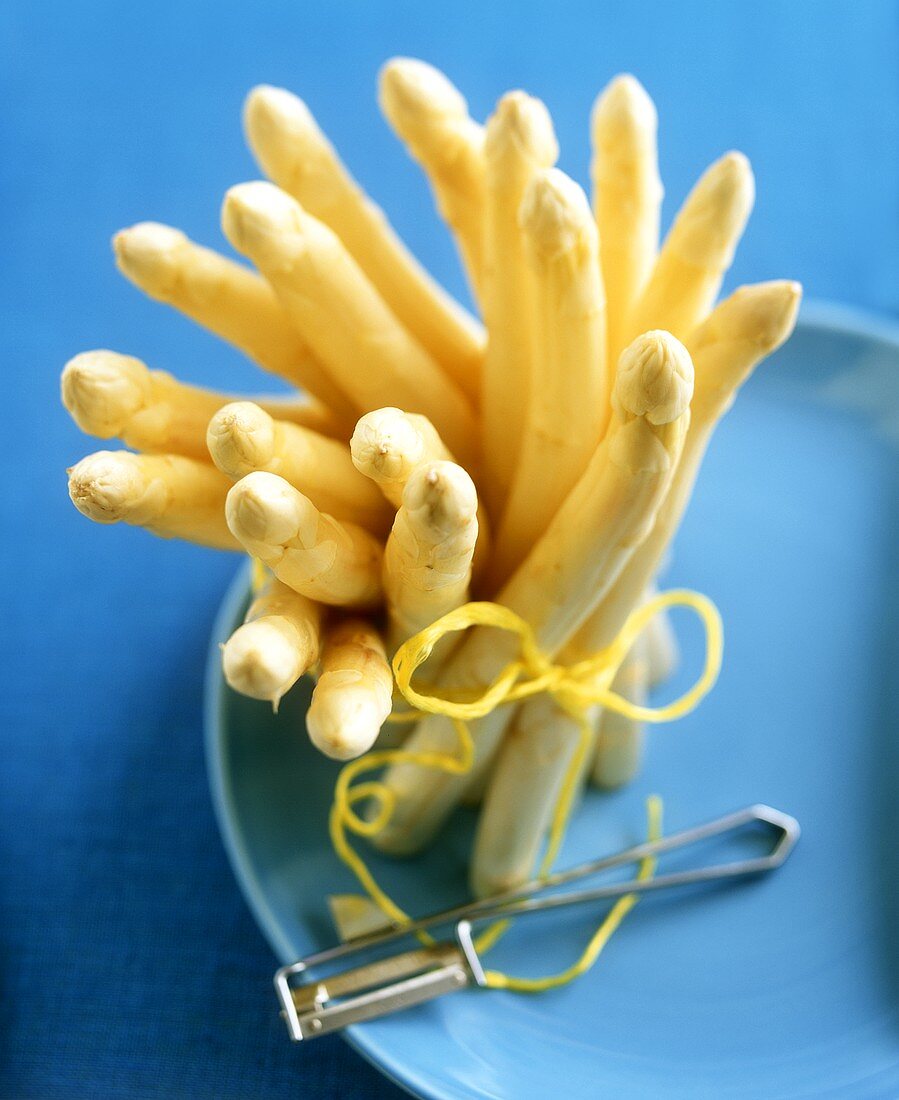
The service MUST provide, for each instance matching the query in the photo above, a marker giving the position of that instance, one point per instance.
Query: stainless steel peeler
(319, 1005)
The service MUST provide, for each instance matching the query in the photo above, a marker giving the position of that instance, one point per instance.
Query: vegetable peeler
(316, 1005)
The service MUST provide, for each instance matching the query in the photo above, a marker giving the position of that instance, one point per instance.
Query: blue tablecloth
(129, 964)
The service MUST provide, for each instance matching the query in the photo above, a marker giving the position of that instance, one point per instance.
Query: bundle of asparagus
(541, 460)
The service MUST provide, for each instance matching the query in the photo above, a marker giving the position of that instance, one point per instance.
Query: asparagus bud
(654, 379)
(427, 560)
(311, 552)
(353, 696)
(103, 391)
(277, 643)
(388, 445)
(170, 495)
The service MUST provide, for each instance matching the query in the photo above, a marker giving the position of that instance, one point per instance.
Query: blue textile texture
(129, 963)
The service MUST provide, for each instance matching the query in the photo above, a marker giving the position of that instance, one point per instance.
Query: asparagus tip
(411, 91)
(555, 213)
(624, 105)
(256, 211)
(654, 378)
(522, 126)
(385, 444)
(148, 254)
(102, 390)
(258, 661)
(264, 508)
(107, 486)
(441, 497)
(241, 438)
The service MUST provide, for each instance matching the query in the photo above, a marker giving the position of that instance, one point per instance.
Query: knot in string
(581, 685)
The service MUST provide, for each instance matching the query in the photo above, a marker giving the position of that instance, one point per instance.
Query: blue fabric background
(129, 964)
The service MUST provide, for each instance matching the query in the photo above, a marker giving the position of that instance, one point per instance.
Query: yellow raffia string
(496, 979)
(576, 688)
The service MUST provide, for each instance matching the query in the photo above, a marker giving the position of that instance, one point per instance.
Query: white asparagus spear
(662, 651)
(518, 804)
(389, 445)
(520, 140)
(584, 549)
(698, 250)
(229, 300)
(627, 200)
(343, 317)
(170, 495)
(627, 196)
(567, 406)
(431, 116)
(278, 642)
(311, 552)
(738, 334)
(109, 395)
(242, 437)
(296, 155)
(619, 739)
(427, 559)
(354, 693)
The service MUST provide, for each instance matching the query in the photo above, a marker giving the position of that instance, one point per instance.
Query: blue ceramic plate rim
(824, 317)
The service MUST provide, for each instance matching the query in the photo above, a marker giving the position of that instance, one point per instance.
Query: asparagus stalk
(170, 495)
(698, 250)
(619, 739)
(567, 401)
(654, 378)
(353, 696)
(570, 569)
(662, 654)
(627, 197)
(229, 300)
(427, 559)
(345, 320)
(519, 141)
(109, 395)
(278, 642)
(739, 333)
(311, 552)
(296, 155)
(242, 437)
(431, 116)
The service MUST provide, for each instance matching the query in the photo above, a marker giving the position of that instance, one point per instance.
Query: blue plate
(782, 987)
